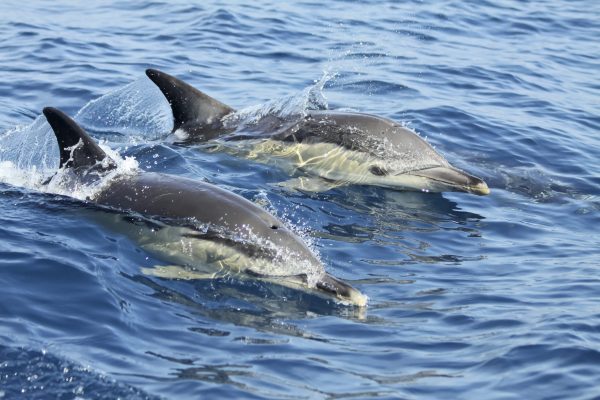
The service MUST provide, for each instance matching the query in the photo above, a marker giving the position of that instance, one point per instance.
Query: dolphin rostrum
(203, 230)
(337, 148)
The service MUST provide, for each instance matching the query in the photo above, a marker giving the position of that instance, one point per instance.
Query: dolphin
(337, 148)
(203, 230)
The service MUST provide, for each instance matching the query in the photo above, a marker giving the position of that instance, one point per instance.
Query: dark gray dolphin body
(341, 147)
(202, 227)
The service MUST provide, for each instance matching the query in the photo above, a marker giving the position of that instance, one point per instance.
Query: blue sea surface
(470, 297)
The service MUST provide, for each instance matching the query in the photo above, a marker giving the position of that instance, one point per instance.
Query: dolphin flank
(331, 148)
(201, 229)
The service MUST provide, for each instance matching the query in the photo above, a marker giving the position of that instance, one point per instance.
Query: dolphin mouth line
(480, 188)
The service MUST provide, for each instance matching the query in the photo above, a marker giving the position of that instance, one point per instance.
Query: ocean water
(493, 297)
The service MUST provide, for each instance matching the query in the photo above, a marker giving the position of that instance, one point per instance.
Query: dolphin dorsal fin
(189, 105)
(76, 148)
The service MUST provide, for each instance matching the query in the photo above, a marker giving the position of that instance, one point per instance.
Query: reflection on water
(259, 305)
(403, 225)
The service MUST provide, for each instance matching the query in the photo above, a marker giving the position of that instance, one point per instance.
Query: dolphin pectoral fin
(177, 272)
(309, 184)
(191, 108)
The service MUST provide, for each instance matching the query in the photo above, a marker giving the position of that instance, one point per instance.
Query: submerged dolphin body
(339, 147)
(196, 225)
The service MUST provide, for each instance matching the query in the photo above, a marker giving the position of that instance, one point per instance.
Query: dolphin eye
(375, 170)
(274, 227)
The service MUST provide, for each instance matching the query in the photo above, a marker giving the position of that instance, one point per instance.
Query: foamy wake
(61, 182)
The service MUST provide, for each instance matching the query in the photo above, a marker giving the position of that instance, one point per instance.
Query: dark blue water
(492, 297)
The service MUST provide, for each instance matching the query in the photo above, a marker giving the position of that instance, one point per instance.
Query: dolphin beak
(341, 290)
(456, 179)
(327, 286)
(480, 189)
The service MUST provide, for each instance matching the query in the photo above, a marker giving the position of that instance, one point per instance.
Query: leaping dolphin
(196, 225)
(338, 147)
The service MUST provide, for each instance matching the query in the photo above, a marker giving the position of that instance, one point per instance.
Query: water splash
(30, 149)
(29, 158)
(301, 229)
(136, 111)
(297, 104)
(64, 183)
